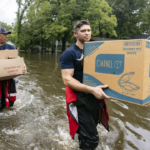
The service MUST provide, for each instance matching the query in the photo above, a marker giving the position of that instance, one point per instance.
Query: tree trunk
(42, 45)
(64, 40)
(99, 26)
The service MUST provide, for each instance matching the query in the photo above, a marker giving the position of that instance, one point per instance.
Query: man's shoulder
(9, 46)
(69, 51)
(68, 54)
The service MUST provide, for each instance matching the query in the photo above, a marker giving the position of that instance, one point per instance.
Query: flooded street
(39, 120)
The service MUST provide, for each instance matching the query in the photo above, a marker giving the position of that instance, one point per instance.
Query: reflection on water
(39, 121)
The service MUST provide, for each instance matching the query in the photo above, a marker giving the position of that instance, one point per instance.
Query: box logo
(109, 63)
(125, 84)
(147, 44)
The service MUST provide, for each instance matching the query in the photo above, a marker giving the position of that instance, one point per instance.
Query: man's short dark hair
(79, 24)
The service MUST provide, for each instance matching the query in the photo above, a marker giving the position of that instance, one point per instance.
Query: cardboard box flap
(5, 54)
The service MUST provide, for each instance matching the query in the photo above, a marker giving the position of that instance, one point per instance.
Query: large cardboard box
(124, 65)
(10, 64)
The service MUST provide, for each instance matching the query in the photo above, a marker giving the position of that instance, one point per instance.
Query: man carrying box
(7, 87)
(84, 111)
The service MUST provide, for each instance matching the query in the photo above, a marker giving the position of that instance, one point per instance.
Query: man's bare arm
(67, 76)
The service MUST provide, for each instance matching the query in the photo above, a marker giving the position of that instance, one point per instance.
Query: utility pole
(56, 55)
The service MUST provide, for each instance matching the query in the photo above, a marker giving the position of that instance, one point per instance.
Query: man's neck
(80, 45)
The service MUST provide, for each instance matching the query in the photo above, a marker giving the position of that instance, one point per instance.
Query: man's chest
(78, 61)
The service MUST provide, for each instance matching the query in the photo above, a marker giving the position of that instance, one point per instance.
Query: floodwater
(39, 120)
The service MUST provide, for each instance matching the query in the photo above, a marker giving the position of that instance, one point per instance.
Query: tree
(22, 7)
(51, 20)
(145, 21)
(60, 17)
(129, 14)
(100, 15)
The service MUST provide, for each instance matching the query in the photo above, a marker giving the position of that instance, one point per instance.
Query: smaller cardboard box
(123, 65)
(10, 64)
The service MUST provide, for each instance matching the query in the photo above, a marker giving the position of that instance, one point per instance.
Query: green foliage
(53, 20)
(8, 27)
(145, 22)
(130, 15)
(22, 7)
(42, 22)
(100, 16)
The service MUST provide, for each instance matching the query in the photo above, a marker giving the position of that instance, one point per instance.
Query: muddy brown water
(39, 120)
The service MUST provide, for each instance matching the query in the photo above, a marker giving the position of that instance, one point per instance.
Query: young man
(4, 101)
(81, 119)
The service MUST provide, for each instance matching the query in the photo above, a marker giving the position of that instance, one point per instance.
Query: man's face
(83, 34)
(3, 38)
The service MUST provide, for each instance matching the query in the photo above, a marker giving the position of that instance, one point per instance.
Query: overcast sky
(7, 11)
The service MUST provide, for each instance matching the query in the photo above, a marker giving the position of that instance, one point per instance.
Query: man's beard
(83, 41)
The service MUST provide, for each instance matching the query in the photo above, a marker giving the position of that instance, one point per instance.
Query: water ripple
(118, 112)
(120, 103)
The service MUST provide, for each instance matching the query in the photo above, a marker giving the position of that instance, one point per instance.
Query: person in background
(84, 110)
(7, 87)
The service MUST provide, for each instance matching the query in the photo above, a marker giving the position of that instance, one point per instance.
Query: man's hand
(24, 71)
(67, 75)
(99, 93)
